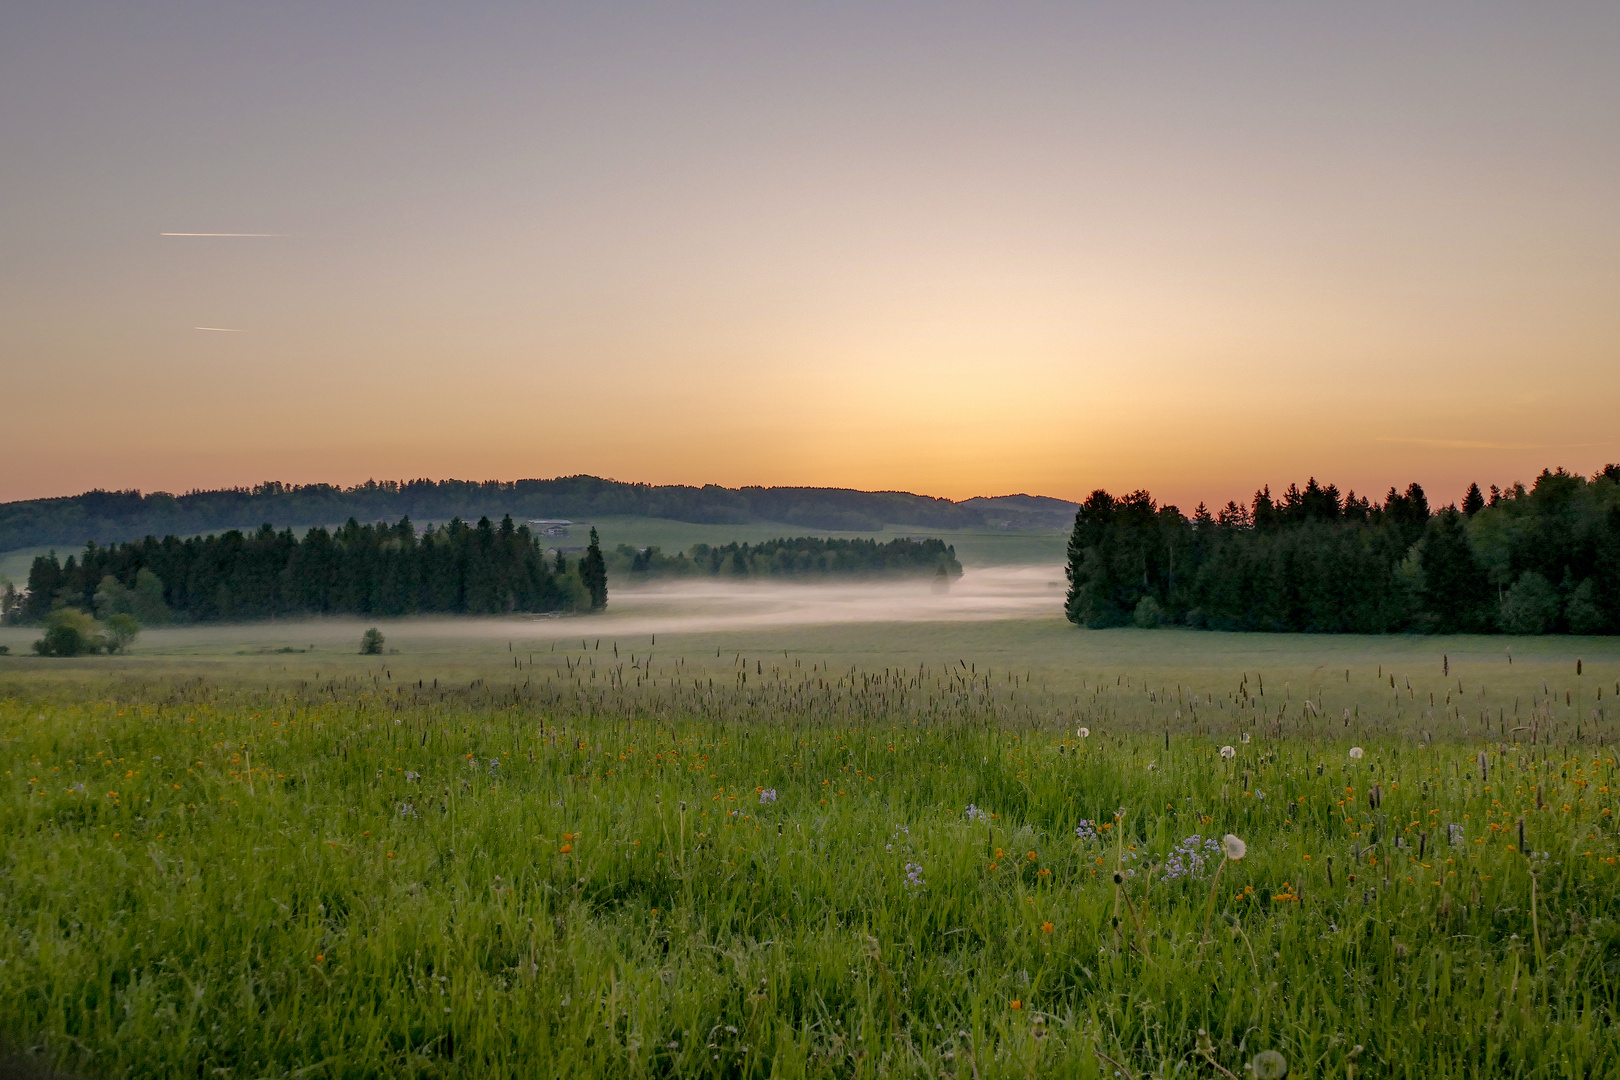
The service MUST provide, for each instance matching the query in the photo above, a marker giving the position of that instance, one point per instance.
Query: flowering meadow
(770, 868)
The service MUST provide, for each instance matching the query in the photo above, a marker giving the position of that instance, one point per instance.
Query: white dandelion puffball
(1356, 752)
(1083, 732)
(1235, 848)
(1269, 1065)
(1245, 738)
(1228, 752)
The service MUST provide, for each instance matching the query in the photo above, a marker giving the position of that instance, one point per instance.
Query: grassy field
(838, 850)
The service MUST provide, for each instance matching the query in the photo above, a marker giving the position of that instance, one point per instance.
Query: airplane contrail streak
(220, 329)
(222, 234)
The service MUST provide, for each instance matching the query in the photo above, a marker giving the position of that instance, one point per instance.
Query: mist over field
(690, 606)
(683, 606)
(1001, 592)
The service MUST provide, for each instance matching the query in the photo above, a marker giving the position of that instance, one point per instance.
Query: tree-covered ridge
(799, 557)
(379, 569)
(111, 516)
(1534, 561)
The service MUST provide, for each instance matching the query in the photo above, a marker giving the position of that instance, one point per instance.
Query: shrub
(1148, 614)
(1530, 606)
(121, 631)
(70, 632)
(144, 601)
(371, 642)
(1582, 611)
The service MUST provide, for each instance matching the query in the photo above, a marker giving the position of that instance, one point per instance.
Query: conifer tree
(1456, 592)
(593, 573)
(44, 578)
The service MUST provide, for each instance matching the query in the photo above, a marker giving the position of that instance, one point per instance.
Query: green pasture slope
(974, 547)
(492, 856)
(14, 565)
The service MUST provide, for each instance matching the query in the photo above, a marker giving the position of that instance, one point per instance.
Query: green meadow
(959, 849)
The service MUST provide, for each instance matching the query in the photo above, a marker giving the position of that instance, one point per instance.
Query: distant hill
(106, 517)
(1023, 511)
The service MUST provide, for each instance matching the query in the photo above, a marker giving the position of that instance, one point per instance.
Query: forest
(800, 557)
(373, 569)
(111, 516)
(1521, 561)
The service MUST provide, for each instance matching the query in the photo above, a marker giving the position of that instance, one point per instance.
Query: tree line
(1523, 561)
(371, 569)
(803, 556)
(114, 516)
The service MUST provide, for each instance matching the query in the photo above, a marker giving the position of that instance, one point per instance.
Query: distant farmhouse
(550, 526)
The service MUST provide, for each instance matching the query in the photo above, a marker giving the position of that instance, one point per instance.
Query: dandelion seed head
(1269, 1065)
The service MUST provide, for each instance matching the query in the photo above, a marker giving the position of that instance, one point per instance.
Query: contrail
(222, 234)
(220, 329)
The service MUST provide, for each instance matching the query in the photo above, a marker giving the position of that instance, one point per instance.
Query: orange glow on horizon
(988, 252)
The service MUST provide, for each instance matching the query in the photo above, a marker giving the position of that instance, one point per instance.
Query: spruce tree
(44, 578)
(1474, 501)
(593, 573)
(1606, 571)
(1456, 591)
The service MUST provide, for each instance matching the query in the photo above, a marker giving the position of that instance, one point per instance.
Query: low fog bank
(715, 604)
(677, 607)
(1001, 592)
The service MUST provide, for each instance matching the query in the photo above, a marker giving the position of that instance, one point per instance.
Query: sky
(958, 249)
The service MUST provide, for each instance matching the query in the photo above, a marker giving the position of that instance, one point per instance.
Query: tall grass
(550, 874)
